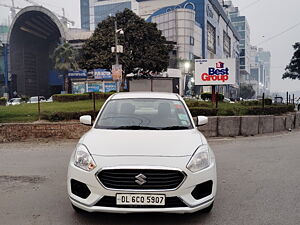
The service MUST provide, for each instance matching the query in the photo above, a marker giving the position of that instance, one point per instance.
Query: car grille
(149, 179)
(170, 202)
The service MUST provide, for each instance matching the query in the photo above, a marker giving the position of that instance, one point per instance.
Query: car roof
(158, 95)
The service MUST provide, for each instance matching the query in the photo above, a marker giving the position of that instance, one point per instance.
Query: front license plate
(140, 199)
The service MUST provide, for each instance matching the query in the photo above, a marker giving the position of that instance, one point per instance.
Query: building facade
(200, 23)
(3, 57)
(260, 71)
(240, 23)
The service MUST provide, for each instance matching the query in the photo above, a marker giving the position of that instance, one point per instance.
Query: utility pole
(116, 42)
(117, 68)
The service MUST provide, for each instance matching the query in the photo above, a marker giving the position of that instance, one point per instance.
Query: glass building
(240, 23)
(94, 11)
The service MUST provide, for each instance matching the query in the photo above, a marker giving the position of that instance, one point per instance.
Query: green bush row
(268, 101)
(3, 101)
(201, 111)
(79, 97)
(60, 116)
(271, 110)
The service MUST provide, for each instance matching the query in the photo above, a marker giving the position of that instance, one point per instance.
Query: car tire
(208, 209)
(78, 210)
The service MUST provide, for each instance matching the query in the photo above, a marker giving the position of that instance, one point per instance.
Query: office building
(240, 23)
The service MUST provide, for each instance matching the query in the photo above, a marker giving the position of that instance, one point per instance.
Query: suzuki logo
(140, 179)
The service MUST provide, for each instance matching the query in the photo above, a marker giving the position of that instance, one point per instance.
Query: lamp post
(117, 49)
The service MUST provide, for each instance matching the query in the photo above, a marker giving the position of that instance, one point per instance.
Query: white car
(14, 101)
(35, 99)
(143, 154)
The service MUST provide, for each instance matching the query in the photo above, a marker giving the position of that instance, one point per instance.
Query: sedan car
(14, 101)
(143, 153)
(36, 99)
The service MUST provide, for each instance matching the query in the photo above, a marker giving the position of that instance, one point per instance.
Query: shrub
(200, 111)
(251, 103)
(3, 101)
(227, 112)
(79, 97)
(268, 101)
(59, 116)
(271, 110)
(195, 103)
(208, 96)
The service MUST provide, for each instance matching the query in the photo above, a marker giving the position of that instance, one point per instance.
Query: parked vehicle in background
(50, 99)
(14, 101)
(228, 100)
(144, 153)
(35, 99)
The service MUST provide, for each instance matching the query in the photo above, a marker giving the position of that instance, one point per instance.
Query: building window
(211, 38)
(242, 52)
(192, 41)
(226, 44)
(242, 61)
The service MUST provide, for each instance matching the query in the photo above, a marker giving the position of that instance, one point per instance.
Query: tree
(64, 59)
(247, 91)
(144, 45)
(292, 70)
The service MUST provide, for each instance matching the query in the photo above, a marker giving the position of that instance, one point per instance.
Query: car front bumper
(183, 192)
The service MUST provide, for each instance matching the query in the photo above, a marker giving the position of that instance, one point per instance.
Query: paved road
(259, 183)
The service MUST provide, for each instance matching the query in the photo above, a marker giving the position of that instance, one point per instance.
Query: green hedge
(201, 111)
(271, 110)
(3, 101)
(59, 116)
(79, 97)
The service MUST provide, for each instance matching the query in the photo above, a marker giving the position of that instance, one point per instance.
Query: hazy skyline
(266, 18)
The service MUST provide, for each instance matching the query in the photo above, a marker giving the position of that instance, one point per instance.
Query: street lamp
(118, 49)
(187, 66)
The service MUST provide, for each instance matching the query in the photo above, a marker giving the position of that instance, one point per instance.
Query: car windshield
(144, 114)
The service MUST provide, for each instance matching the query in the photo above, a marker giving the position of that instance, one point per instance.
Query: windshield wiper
(175, 128)
(134, 128)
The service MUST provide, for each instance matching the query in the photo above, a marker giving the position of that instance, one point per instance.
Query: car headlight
(200, 159)
(83, 158)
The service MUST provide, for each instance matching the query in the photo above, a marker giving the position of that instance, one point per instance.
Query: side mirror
(86, 120)
(202, 120)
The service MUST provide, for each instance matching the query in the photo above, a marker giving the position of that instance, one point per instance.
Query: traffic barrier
(297, 120)
(229, 126)
(266, 124)
(211, 128)
(279, 123)
(249, 125)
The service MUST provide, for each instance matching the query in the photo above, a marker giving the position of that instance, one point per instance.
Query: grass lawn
(29, 112)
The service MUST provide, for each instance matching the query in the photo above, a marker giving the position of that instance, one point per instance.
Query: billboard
(215, 71)
(77, 74)
(95, 87)
(102, 74)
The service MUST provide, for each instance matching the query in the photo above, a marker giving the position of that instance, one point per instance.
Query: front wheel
(208, 209)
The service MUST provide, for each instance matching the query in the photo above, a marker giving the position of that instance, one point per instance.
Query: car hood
(142, 142)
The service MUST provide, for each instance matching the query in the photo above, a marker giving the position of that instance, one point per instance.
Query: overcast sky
(266, 18)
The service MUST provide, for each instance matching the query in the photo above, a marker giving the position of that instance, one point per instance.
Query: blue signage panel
(78, 88)
(95, 87)
(77, 74)
(111, 86)
(102, 74)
